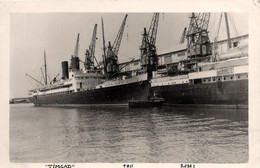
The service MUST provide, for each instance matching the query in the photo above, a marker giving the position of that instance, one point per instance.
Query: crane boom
(74, 61)
(117, 42)
(93, 43)
(90, 53)
(76, 50)
(111, 59)
(153, 29)
(182, 40)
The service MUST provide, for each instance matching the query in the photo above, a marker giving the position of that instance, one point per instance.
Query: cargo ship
(100, 84)
(206, 76)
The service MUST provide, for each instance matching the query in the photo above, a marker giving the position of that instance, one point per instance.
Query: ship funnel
(74, 64)
(65, 70)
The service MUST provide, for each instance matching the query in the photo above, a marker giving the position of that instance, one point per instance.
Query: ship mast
(45, 68)
(104, 49)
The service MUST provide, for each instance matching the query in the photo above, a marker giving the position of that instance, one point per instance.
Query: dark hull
(224, 93)
(111, 95)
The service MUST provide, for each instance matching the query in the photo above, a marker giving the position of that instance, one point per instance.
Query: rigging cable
(233, 24)
(219, 24)
(212, 28)
(30, 82)
(235, 30)
(128, 56)
(215, 57)
(49, 78)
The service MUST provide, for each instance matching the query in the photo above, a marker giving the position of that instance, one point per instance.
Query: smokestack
(65, 69)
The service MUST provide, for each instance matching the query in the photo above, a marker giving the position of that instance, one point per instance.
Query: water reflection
(120, 134)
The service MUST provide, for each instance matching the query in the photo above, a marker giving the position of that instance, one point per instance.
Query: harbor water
(119, 134)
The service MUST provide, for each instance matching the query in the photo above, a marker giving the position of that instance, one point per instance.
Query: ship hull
(110, 95)
(234, 93)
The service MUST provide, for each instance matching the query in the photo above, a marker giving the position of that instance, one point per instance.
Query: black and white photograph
(167, 87)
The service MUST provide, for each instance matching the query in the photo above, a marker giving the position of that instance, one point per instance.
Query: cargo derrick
(44, 76)
(198, 45)
(111, 59)
(34, 79)
(90, 53)
(54, 79)
(197, 36)
(74, 64)
(149, 60)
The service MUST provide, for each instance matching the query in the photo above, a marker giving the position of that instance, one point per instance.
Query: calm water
(120, 134)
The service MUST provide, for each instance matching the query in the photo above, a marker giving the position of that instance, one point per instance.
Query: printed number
(128, 165)
(187, 166)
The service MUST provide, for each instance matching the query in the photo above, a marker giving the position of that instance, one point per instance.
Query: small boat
(153, 102)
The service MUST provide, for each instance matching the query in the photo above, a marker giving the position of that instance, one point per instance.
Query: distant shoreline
(19, 100)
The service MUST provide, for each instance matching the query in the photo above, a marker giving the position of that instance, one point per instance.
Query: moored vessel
(101, 84)
(206, 76)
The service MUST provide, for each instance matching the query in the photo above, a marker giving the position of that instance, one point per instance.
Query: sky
(56, 33)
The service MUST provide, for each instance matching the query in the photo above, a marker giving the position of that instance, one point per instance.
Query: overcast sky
(31, 33)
